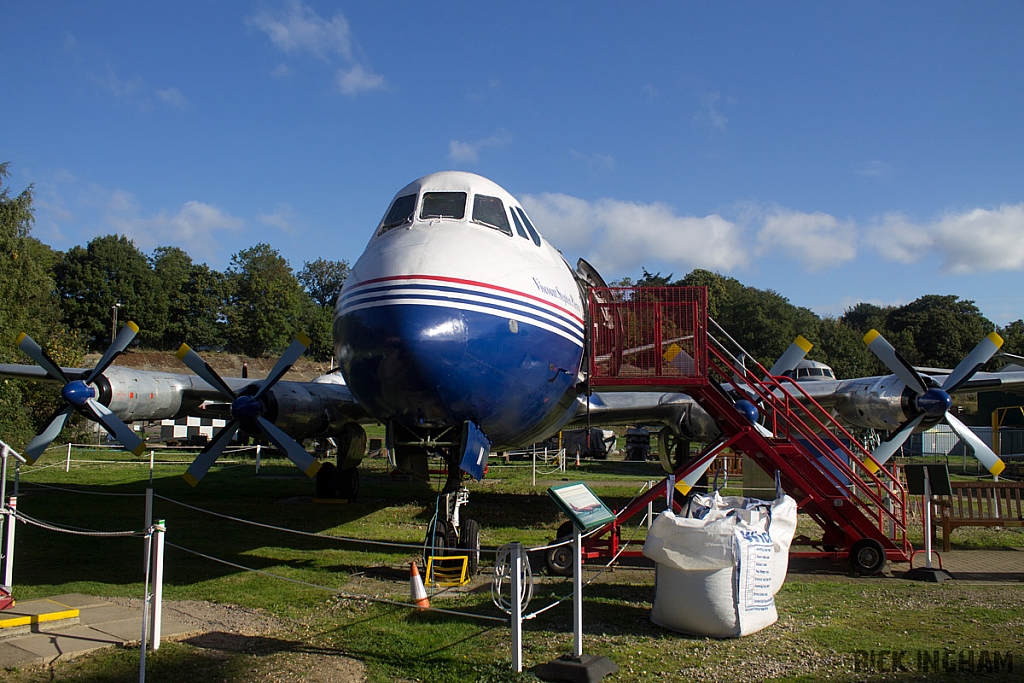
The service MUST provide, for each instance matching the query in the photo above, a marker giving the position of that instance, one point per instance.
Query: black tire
(469, 541)
(559, 560)
(867, 557)
(436, 541)
(348, 483)
(327, 481)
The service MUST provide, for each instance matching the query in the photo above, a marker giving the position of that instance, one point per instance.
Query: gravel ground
(218, 631)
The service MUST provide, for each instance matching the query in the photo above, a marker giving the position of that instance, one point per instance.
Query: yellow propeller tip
(190, 480)
(871, 336)
(802, 342)
(21, 338)
(872, 465)
(998, 467)
(313, 469)
(182, 351)
(995, 339)
(306, 341)
(134, 328)
(683, 487)
(140, 449)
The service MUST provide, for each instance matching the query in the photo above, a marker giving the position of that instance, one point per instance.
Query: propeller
(933, 401)
(78, 395)
(247, 413)
(787, 362)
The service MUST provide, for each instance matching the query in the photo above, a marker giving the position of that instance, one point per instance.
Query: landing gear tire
(559, 560)
(470, 542)
(348, 483)
(436, 542)
(867, 557)
(327, 481)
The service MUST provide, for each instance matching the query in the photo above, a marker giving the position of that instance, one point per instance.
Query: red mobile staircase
(657, 339)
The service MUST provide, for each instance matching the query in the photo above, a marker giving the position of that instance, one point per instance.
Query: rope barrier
(25, 519)
(344, 594)
(32, 484)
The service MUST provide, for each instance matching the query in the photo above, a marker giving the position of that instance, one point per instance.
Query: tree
(111, 273)
(264, 309)
(323, 279)
(939, 329)
(1013, 338)
(194, 296)
(28, 303)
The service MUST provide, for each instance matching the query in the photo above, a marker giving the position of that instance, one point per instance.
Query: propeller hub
(246, 409)
(747, 410)
(934, 403)
(77, 393)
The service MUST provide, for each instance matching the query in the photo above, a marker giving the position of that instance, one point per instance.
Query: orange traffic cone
(419, 593)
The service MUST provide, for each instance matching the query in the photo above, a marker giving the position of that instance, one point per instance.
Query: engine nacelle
(883, 403)
(134, 396)
(307, 410)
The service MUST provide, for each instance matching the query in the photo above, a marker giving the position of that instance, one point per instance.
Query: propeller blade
(791, 356)
(44, 438)
(121, 342)
(285, 362)
(113, 424)
(296, 453)
(888, 448)
(973, 362)
(686, 483)
(896, 363)
(36, 353)
(985, 455)
(201, 465)
(199, 366)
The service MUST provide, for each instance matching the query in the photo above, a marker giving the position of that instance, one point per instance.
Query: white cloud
(283, 218)
(193, 227)
(172, 97)
(595, 162)
(618, 235)
(356, 79)
(974, 241)
(818, 240)
(709, 111)
(297, 28)
(469, 152)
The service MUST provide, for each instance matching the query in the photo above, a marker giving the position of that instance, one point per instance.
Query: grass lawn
(830, 625)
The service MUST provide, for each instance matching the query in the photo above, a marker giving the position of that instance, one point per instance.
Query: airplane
(463, 331)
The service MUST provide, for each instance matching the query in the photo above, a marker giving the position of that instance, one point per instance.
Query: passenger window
(519, 226)
(443, 205)
(491, 212)
(400, 213)
(529, 226)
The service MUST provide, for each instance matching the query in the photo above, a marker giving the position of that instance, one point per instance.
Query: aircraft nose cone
(77, 393)
(934, 402)
(748, 410)
(246, 409)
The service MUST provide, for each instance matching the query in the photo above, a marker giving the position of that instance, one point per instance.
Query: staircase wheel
(867, 557)
(559, 560)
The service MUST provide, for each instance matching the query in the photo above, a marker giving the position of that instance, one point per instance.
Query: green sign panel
(581, 505)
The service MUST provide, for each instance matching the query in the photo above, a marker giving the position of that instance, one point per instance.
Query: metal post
(516, 597)
(67, 463)
(12, 508)
(257, 458)
(145, 609)
(534, 466)
(158, 583)
(927, 519)
(577, 592)
(4, 450)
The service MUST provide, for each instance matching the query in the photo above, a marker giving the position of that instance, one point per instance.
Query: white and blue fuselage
(459, 311)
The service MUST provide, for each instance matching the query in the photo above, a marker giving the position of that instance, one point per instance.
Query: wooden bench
(980, 503)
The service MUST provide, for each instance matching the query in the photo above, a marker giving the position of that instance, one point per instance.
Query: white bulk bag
(718, 571)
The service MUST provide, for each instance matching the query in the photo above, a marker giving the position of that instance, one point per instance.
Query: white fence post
(12, 508)
(159, 529)
(67, 463)
(257, 458)
(516, 598)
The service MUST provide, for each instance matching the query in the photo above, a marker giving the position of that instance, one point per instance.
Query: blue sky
(832, 152)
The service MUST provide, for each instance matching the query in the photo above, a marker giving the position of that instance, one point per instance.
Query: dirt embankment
(227, 364)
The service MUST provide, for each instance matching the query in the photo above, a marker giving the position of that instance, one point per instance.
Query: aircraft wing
(304, 408)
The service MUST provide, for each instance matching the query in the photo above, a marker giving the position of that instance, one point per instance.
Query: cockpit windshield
(443, 205)
(400, 213)
(491, 212)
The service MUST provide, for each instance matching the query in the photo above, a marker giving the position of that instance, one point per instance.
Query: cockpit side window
(400, 213)
(491, 212)
(443, 205)
(529, 226)
(519, 226)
